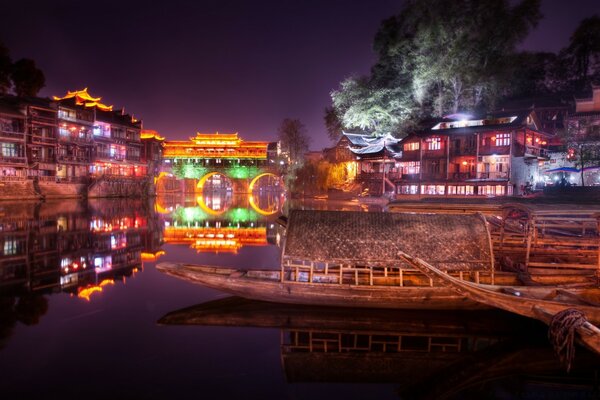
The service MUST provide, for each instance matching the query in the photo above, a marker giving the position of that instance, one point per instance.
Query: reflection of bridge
(218, 162)
(220, 222)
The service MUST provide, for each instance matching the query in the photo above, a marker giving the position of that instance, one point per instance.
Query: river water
(81, 300)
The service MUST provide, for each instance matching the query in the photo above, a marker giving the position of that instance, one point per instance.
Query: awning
(562, 169)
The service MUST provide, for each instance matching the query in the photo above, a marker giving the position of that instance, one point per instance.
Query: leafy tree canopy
(434, 58)
(27, 78)
(294, 139)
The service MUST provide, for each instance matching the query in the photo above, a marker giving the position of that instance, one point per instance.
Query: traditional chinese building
(13, 126)
(75, 141)
(493, 156)
(219, 161)
(42, 130)
(373, 159)
(583, 129)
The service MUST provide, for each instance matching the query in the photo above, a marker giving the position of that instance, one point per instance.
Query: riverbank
(29, 189)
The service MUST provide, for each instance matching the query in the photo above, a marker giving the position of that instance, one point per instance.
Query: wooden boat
(349, 259)
(267, 285)
(535, 302)
(521, 300)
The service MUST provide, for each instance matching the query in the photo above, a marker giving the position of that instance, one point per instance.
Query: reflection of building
(69, 246)
(220, 222)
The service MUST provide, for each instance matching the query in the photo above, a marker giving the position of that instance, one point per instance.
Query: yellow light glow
(86, 293)
(82, 97)
(152, 256)
(150, 134)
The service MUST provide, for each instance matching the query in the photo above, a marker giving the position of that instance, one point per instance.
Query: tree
(582, 140)
(333, 124)
(294, 140)
(5, 69)
(28, 80)
(584, 50)
(437, 57)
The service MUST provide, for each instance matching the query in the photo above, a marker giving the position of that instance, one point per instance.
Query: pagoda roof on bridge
(216, 145)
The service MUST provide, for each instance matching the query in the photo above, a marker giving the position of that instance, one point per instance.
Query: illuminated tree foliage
(436, 57)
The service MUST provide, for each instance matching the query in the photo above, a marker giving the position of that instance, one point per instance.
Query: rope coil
(561, 334)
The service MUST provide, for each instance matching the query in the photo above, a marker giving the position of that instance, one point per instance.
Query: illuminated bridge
(219, 162)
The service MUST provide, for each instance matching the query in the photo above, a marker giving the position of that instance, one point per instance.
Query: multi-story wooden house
(75, 145)
(13, 142)
(583, 137)
(42, 141)
(493, 156)
(114, 136)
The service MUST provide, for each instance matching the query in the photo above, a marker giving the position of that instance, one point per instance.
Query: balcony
(461, 176)
(43, 139)
(536, 152)
(463, 151)
(74, 159)
(12, 135)
(12, 160)
(75, 139)
(494, 176)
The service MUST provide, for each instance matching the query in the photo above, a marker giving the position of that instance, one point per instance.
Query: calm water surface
(80, 301)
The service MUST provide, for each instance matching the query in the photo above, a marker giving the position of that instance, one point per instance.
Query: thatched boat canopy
(449, 242)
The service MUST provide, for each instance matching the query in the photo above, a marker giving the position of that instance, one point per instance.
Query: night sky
(227, 66)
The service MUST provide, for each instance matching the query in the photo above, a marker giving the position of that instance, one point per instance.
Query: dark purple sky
(219, 65)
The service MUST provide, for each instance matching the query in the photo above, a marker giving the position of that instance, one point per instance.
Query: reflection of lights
(85, 293)
(151, 256)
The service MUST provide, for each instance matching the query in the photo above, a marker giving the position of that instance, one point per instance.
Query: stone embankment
(12, 190)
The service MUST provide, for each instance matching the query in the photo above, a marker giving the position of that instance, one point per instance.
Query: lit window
(410, 167)
(411, 146)
(503, 139)
(434, 143)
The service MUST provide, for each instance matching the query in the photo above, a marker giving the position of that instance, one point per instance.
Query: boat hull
(239, 283)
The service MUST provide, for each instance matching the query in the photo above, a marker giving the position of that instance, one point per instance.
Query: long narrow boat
(537, 302)
(267, 285)
(521, 300)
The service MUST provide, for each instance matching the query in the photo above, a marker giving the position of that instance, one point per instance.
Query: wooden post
(310, 275)
(401, 277)
(528, 249)
(371, 276)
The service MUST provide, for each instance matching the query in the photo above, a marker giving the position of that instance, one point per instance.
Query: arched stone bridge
(218, 161)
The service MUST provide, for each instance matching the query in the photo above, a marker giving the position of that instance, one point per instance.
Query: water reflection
(221, 221)
(70, 246)
(427, 354)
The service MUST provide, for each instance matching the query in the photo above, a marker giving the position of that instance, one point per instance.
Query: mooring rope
(561, 334)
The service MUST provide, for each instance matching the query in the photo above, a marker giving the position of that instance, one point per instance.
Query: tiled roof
(449, 242)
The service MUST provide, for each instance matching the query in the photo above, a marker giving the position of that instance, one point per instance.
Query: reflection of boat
(428, 354)
(237, 311)
(535, 302)
(350, 259)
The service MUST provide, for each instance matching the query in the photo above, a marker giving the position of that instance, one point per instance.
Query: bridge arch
(202, 181)
(257, 177)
